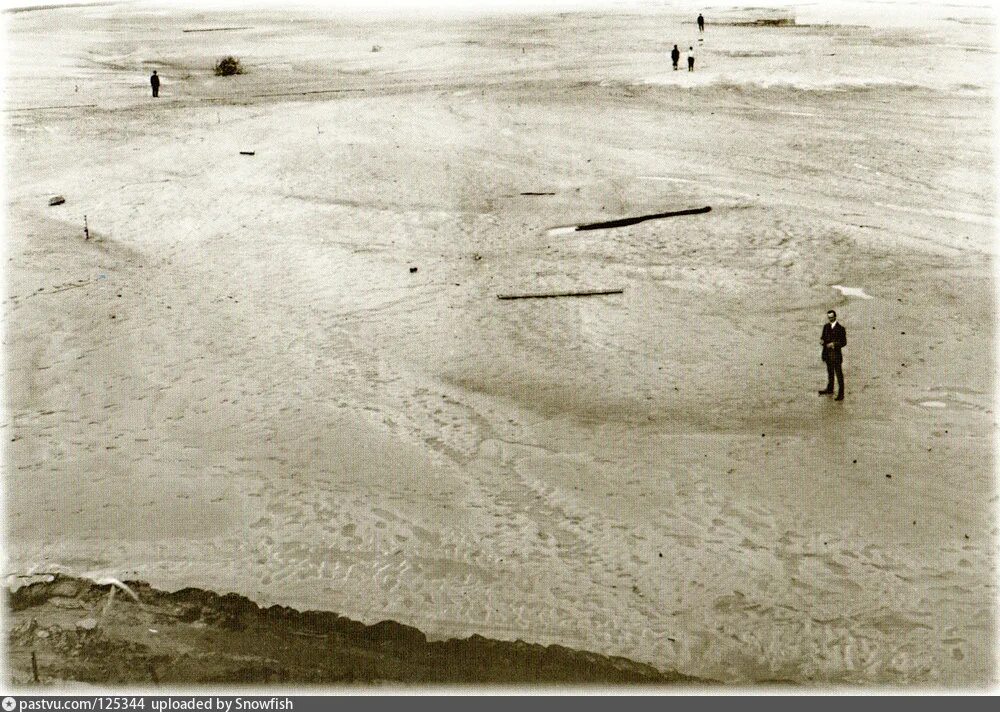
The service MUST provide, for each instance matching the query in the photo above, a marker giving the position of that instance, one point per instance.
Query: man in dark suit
(834, 339)
(154, 81)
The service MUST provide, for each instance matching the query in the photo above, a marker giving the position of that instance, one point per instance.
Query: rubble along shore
(80, 631)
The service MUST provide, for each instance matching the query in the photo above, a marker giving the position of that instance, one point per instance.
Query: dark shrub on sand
(228, 66)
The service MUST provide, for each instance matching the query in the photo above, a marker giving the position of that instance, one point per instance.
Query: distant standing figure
(690, 59)
(675, 55)
(833, 340)
(701, 23)
(155, 83)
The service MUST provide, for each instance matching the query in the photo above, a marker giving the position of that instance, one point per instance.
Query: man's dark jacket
(838, 335)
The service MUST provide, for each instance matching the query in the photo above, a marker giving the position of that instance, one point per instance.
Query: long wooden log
(625, 222)
(290, 93)
(45, 108)
(550, 295)
(218, 29)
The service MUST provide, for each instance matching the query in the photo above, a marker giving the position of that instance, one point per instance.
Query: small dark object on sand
(57, 200)
(247, 153)
(412, 270)
(228, 66)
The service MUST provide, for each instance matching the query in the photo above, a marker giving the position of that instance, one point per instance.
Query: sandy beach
(239, 382)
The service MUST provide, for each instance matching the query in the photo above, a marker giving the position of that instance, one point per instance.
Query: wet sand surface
(237, 383)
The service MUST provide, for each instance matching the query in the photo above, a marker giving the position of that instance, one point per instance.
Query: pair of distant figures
(675, 56)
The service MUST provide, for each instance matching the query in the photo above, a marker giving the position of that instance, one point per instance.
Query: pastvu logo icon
(9, 704)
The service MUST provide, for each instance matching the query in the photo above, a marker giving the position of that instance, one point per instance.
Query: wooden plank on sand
(550, 295)
(626, 222)
(217, 29)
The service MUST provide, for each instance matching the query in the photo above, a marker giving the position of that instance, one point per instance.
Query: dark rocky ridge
(82, 631)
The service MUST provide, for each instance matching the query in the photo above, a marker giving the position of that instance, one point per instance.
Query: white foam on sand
(801, 82)
(852, 291)
(933, 404)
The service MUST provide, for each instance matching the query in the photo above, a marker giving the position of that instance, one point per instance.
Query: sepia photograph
(642, 346)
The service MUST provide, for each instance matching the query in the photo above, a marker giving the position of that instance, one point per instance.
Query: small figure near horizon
(690, 59)
(675, 55)
(701, 23)
(834, 339)
(154, 81)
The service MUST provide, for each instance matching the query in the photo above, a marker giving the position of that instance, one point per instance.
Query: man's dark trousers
(835, 368)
